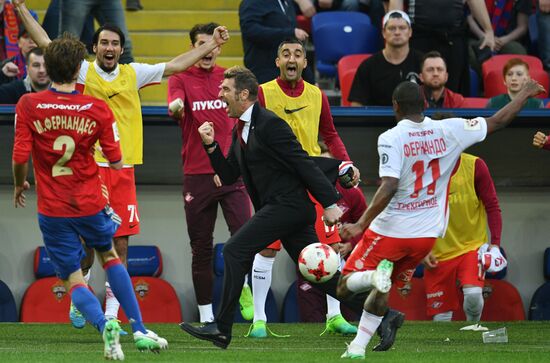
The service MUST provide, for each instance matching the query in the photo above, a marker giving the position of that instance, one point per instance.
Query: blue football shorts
(62, 238)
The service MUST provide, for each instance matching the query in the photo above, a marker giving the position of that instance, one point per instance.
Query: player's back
(422, 156)
(62, 129)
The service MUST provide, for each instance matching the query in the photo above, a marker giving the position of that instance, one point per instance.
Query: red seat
(46, 301)
(347, 67)
(493, 82)
(474, 102)
(503, 303)
(157, 301)
(414, 304)
(497, 62)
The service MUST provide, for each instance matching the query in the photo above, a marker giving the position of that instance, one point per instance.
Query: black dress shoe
(388, 329)
(208, 331)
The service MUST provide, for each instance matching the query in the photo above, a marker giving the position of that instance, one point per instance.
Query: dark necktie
(240, 126)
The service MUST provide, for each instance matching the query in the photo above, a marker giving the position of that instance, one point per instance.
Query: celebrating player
(118, 85)
(409, 210)
(60, 127)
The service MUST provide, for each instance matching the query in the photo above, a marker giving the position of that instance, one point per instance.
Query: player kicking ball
(60, 127)
(409, 209)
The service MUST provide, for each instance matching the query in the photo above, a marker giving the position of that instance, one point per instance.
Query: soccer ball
(318, 262)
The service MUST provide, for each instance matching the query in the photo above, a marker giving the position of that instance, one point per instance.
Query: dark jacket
(274, 167)
(11, 92)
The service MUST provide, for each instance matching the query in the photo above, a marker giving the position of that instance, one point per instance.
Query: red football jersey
(60, 130)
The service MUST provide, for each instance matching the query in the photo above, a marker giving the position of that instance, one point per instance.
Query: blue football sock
(89, 306)
(122, 288)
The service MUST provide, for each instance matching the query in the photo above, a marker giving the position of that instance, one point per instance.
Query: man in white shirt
(409, 210)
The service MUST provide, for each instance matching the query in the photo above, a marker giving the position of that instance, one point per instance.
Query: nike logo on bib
(113, 95)
(288, 112)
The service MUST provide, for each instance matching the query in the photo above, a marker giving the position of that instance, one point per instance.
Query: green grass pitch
(416, 342)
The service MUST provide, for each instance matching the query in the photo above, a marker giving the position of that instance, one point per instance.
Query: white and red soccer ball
(318, 262)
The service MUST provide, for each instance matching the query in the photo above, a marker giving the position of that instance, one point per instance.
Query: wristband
(206, 147)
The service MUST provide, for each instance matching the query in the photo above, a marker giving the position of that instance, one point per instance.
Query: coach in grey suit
(277, 173)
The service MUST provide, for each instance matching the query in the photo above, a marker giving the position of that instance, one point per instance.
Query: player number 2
(59, 167)
(418, 168)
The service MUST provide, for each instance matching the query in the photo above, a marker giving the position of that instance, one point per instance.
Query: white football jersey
(422, 156)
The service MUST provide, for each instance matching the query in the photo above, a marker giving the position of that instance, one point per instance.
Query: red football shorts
(405, 253)
(441, 286)
(327, 235)
(121, 186)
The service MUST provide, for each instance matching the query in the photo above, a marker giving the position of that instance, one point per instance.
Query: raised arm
(187, 59)
(506, 114)
(34, 29)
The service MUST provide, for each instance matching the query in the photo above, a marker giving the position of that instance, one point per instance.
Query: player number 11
(418, 168)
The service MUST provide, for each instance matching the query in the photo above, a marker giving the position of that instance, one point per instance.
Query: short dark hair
(36, 51)
(207, 28)
(431, 54)
(291, 41)
(112, 28)
(63, 57)
(244, 79)
(409, 97)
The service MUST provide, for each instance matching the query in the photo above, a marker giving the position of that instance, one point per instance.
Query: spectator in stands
(265, 24)
(14, 67)
(52, 24)
(310, 7)
(516, 76)
(440, 25)
(543, 23)
(9, 30)
(197, 90)
(75, 13)
(36, 80)
(510, 22)
(377, 76)
(434, 78)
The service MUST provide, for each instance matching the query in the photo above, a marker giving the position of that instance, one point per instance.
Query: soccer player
(306, 109)
(118, 85)
(59, 127)
(197, 89)
(409, 209)
(473, 205)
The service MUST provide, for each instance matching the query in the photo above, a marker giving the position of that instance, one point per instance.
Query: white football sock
(206, 313)
(261, 281)
(333, 307)
(245, 280)
(446, 316)
(87, 276)
(333, 304)
(473, 303)
(111, 303)
(360, 281)
(367, 328)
